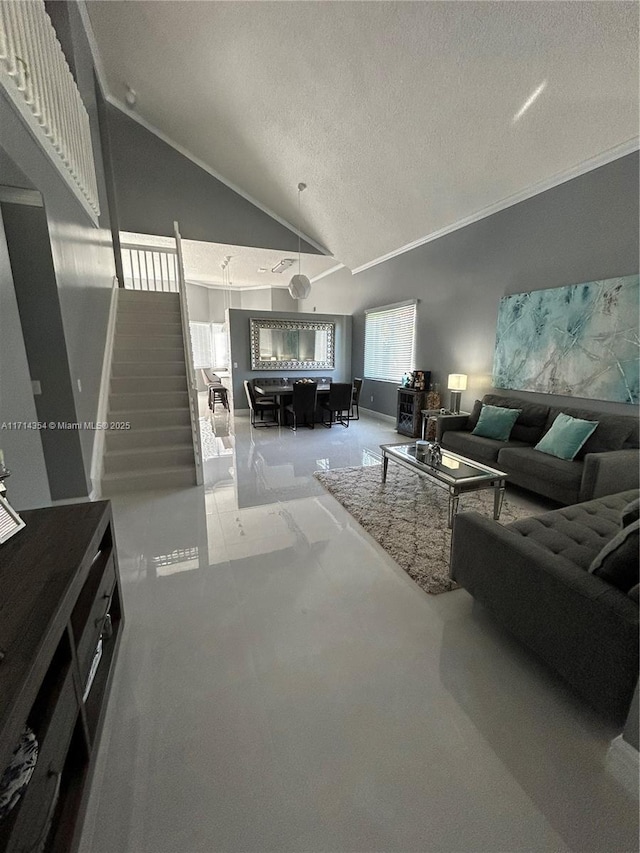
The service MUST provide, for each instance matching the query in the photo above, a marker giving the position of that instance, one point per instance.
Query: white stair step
(146, 353)
(148, 296)
(155, 436)
(141, 460)
(149, 326)
(136, 341)
(164, 478)
(148, 368)
(139, 313)
(145, 384)
(148, 400)
(143, 418)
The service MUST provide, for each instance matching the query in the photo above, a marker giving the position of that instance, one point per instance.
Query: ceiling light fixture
(299, 286)
(131, 97)
(283, 265)
(532, 97)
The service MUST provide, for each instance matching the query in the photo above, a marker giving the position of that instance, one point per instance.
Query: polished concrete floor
(283, 686)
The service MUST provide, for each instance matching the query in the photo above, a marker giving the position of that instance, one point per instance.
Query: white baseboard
(623, 762)
(103, 399)
(373, 414)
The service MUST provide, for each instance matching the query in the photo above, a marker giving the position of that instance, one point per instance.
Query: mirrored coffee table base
(456, 473)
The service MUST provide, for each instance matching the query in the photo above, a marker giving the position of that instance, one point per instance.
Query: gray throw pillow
(631, 512)
(617, 563)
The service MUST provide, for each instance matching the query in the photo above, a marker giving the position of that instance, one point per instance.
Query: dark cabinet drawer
(89, 629)
(39, 800)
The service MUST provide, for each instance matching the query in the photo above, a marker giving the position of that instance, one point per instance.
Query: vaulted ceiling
(404, 118)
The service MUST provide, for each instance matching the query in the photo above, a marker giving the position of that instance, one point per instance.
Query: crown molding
(235, 288)
(327, 272)
(132, 114)
(118, 104)
(589, 165)
(93, 46)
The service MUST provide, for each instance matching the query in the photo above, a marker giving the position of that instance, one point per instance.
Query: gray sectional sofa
(607, 463)
(533, 575)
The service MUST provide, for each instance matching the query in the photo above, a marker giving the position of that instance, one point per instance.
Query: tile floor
(283, 686)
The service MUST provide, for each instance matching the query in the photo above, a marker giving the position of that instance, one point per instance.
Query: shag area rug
(407, 516)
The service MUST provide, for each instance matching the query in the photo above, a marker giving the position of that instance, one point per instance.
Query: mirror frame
(291, 325)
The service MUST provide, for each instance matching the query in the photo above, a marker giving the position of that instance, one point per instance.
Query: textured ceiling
(203, 262)
(398, 115)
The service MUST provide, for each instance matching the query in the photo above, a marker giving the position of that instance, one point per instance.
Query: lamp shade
(457, 382)
(299, 286)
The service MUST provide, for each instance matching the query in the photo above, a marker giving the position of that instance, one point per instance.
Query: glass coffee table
(456, 473)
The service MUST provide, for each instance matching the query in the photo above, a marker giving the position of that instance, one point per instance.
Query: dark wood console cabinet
(410, 404)
(59, 596)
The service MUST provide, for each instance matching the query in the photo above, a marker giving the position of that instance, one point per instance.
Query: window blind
(219, 348)
(389, 336)
(209, 345)
(201, 344)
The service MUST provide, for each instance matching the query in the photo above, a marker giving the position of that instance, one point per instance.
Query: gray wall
(37, 297)
(241, 353)
(156, 185)
(198, 303)
(281, 300)
(258, 300)
(28, 485)
(582, 230)
(82, 253)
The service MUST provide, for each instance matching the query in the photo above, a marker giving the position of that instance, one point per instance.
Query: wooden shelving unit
(410, 404)
(59, 596)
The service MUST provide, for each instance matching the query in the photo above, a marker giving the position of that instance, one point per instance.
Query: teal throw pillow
(566, 436)
(496, 422)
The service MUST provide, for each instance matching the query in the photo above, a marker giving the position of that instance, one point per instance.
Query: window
(389, 334)
(209, 345)
(219, 348)
(201, 344)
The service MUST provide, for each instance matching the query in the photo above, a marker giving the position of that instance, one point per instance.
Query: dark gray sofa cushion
(631, 512)
(617, 561)
(531, 421)
(555, 478)
(584, 628)
(612, 433)
(577, 533)
(476, 446)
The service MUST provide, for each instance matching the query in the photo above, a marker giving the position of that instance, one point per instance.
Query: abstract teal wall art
(581, 340)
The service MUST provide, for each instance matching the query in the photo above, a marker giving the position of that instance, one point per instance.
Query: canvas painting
(581, 340)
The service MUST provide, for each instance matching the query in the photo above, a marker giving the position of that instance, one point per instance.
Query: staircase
(149, 390)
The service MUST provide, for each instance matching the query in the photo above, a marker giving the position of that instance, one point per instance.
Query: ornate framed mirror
(292, 345)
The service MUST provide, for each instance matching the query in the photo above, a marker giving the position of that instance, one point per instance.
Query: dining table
(283, 391)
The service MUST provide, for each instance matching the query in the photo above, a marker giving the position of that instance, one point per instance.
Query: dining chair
(355, 400)
(260, 406)
(264, 383)
(339, 403)
(217, 393)
(303, 404)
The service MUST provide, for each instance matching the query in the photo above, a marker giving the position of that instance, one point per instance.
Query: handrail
(35, 75)
(188, 355)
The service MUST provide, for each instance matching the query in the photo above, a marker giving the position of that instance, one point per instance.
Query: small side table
(431, 417)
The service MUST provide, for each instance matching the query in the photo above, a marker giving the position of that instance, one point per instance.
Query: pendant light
(299, 286)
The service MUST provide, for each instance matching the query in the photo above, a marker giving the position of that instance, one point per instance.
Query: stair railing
(35, 76)
(188, 355)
